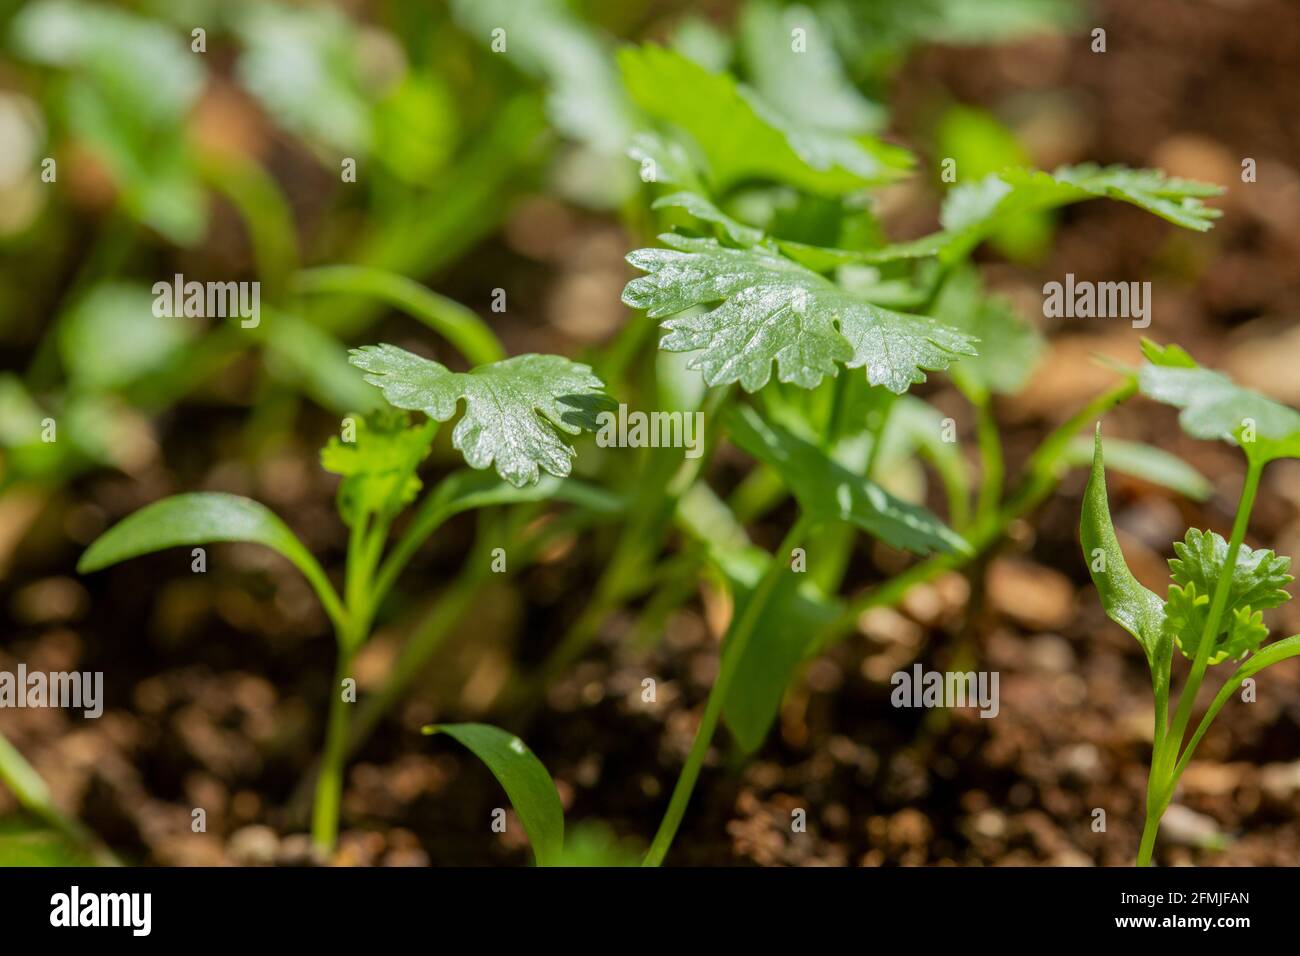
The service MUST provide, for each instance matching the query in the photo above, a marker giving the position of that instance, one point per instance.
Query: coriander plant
(517, 415)
(1219, 589)
(805, 329)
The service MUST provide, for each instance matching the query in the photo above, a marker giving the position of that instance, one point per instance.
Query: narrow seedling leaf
(702, 209)
(1133, 607)
(775, 310)
(190, 519)
(795, 616)
(827, 490)
(526, 781)
(1216, 408)
(1146, 462)
(515, 410)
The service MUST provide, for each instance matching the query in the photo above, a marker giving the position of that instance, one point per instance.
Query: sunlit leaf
(528, 785)
(1216, 408)
(743, 138)
(774, 310)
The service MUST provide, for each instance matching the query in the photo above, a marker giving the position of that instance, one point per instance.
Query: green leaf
(525, 779)
(702, 209)
(24, 844)
(378, 465)
(545, 39)
(1216, 408)
(742, 138)
(826, 490)
(111, 337)
(793, 620)
(1130, 605)
(979, 144)
(132, 118)
(809, 85)
(698, 39)
(975, 210)
(664, 160)
(1146, 462)
(1258, 582)
(306, 67)
(195, 518)
(201, 518)
(1240, 631)
(308, 357)
(1259, 578)
(1009, 346)
(879, 34)
(1013, 190)
(515, 409)
(795, 617)
(774, 310)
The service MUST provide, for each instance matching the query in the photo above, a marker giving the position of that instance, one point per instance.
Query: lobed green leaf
(1216, 408)
(515, 409)
(741, 138)
(774, 310)
(378, 467)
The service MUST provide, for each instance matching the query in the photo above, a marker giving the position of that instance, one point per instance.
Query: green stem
(1187, 699)
(991, 464)
(1149, 830)
(732, 651)
(1043, 473)
(1167, 765)
(458, 325)
(329, 783)
(351, 635)
(625, 573)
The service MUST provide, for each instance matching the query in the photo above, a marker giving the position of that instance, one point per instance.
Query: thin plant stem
(991, 465)
(1187, 699)
(329, 782)
(1166, 764)
(732, 651)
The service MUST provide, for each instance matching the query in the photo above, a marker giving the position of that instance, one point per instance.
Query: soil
(217, 683)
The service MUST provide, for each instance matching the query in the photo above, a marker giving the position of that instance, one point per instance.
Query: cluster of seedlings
(798, 330)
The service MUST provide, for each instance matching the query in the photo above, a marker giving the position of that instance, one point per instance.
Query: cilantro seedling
(1213, 609)
(775, 279)
(517, 414)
